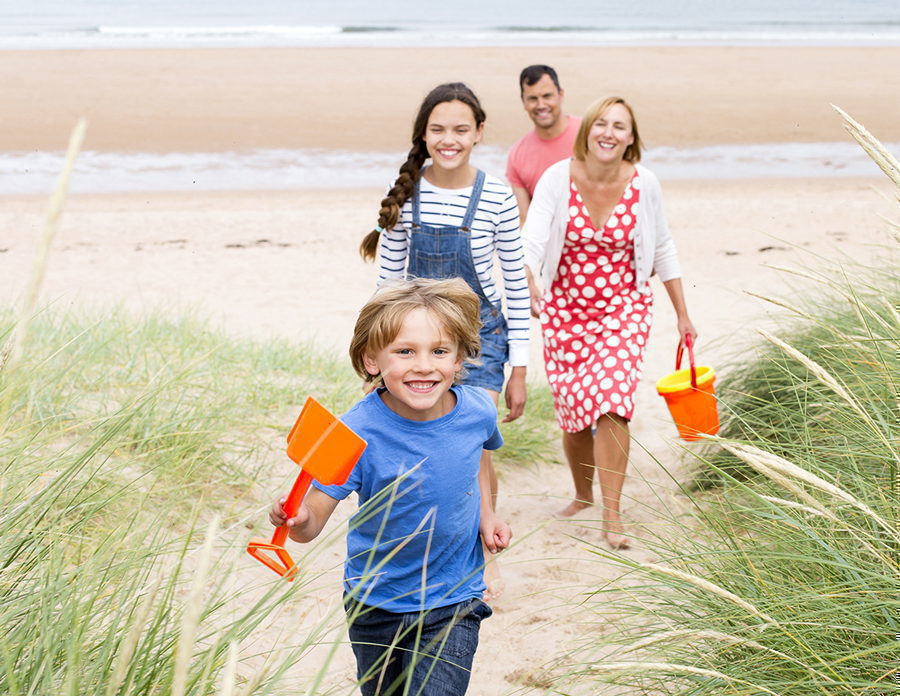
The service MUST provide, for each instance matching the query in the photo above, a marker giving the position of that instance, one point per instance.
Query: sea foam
(262, 169)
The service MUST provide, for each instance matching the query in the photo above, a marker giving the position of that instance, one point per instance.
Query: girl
(413, 573)
(448, 219)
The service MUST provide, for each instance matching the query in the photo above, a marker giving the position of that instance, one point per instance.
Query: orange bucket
(690, 396)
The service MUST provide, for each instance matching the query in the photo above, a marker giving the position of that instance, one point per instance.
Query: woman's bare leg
(611, 445)
(579, 451)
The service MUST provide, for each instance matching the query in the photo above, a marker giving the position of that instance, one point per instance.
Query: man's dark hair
(533, 73)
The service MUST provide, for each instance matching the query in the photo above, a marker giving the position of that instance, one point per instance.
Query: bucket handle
(688, 341)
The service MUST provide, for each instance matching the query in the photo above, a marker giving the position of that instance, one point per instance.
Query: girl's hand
(516, 394)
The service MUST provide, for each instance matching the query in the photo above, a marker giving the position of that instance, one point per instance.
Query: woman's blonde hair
(594, 112)
(452, 301)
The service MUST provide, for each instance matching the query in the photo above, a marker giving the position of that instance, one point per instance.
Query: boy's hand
(279, 519)
(310, 518)
(496, 535)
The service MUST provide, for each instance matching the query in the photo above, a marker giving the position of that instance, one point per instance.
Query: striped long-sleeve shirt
(495, 229)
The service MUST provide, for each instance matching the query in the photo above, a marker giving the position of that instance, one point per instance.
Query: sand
(364, 99)
(285, 263)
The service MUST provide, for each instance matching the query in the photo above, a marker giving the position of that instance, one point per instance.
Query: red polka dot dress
(595, 323)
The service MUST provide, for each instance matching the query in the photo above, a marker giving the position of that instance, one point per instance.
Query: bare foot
(573, 509)
(619, 542)
(615, 535)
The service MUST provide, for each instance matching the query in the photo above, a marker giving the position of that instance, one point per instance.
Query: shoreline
(25, 173)
(215, 100)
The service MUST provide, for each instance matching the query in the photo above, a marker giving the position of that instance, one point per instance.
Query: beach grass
(132, 455)
(780, 573)
(138, 454)
(825, 386)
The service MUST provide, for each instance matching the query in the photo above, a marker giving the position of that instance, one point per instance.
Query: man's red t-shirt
(531, 155)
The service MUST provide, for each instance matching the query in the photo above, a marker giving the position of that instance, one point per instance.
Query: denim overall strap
(473, 201)
(416, 219)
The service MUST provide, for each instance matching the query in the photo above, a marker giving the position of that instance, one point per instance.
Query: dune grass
(827, 389)
(125, 444)
(781, 575)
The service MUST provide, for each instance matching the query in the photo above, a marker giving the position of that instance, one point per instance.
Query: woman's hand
(535, 291)
(676, 295)
(686, 327)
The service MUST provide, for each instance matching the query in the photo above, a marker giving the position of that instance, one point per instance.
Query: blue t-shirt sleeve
(342, 491)
(495, 439)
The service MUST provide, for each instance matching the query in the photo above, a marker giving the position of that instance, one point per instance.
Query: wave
(362, 35)
(190, 31)
(564, 28)
(369, 30)
(279, 169)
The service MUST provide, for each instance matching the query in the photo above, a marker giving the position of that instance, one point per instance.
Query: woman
(595, 233)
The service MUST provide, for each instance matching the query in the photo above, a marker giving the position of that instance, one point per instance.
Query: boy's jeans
(415, 654)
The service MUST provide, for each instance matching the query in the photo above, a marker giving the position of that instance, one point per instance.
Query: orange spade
(326, 450)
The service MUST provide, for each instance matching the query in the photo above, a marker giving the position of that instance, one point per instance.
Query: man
(550, 141)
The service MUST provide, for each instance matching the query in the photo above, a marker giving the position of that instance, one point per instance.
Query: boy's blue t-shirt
(413, 543)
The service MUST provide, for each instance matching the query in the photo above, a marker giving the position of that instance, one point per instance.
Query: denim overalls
(446, 252)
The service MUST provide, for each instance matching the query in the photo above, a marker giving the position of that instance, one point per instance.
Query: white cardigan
(548, 216)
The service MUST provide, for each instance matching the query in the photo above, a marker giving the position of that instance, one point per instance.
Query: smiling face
(450, 135)
(543, 103)
(417, 367)
(610, 134)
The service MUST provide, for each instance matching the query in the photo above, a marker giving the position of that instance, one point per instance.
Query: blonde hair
(452, 301)
(593, 113)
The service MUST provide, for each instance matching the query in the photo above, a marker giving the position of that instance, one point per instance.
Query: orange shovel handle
(292, 505)
(326, 450)
(272, 554)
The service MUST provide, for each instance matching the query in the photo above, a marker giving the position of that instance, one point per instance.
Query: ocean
(99, 24)
(45, 24)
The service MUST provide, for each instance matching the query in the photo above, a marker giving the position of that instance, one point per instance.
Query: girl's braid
(400, 192)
